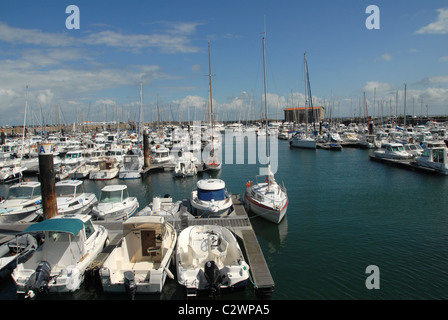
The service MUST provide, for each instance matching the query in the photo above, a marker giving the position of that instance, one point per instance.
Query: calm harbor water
(345, 213)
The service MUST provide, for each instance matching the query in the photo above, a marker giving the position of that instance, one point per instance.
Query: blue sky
(94, 73)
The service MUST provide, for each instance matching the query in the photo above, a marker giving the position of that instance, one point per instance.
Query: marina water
(345, 213)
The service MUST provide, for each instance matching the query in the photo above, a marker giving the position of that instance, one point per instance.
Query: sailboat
(267, 198)
(303, 139)
(213, 162)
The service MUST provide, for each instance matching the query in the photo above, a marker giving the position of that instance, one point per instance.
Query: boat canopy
(72, 226)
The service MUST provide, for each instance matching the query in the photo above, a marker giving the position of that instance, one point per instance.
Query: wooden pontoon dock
(238, 222)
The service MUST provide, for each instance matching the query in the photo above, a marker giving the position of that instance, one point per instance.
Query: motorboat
(106, 170)
(11, 173)
(434, 158)
(209, 259)
(71, 243)
(14, 252)
(82, 172)
(73, 158)
(160, 154)
(413, 148)
(141, 263)
(22, 203)
(211, 199)
(393, 151)
(71, 198)
(185, 166)
(132, 167)
(159, 206)
(267, 198)
(115, 204)
(303, 141)
(369, 141)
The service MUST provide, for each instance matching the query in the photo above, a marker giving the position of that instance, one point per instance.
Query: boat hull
(264, 211)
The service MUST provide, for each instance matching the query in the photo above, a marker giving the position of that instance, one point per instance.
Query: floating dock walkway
(238, 222)
(406, 164)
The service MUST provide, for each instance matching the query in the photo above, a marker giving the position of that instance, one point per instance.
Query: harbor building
(298, 114)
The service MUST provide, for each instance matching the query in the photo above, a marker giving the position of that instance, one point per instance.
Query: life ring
(248, 184)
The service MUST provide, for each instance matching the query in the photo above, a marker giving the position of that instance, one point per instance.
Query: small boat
(22, 203)
(106, 170)
(185, 166)
(303, 141)
(82, 172)
(141, 263)
(115, 204)
(393, 151)
(209, 259)
(71, 243)
(71, 198)
(160, 154)
(413, 149)
(73, 158)
(267, 199)
(14, 252)
(211, 199)
(11, 173)
(435, 158)
(164, 207)
(132, 167)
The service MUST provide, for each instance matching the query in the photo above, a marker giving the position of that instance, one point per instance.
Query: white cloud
(444, 58)
(440, 26)
(174, 40)
(377, 86)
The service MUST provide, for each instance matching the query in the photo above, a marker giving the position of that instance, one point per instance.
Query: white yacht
(22, 203)
(209, 259)
(301, 140)
(71, 244)
(393, 151)
(267, 198)
(434, 158)
(141, 263)
(132, 167)
(115, 204)
(211, 199)
(107, 169)
(71, 198)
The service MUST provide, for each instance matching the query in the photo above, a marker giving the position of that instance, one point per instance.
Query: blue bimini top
(72, 226)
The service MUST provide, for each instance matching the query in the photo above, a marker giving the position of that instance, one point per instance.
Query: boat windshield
(65, 191)
(208, 195)
(110, 196)
(20, 193)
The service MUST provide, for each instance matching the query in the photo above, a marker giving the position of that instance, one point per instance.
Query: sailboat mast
(211, 99)
(265, 100)
(24, 122)
(139, 119)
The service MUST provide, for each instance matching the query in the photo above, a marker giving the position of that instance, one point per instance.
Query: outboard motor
(129, 283)
(38, 282)
(213, 277)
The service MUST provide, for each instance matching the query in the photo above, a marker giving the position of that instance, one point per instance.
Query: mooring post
(47, 181)
(146, 149)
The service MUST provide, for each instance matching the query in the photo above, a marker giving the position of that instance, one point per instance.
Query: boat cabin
(211, 189)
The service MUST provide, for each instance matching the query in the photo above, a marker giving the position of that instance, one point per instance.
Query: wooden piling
(47, 181)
